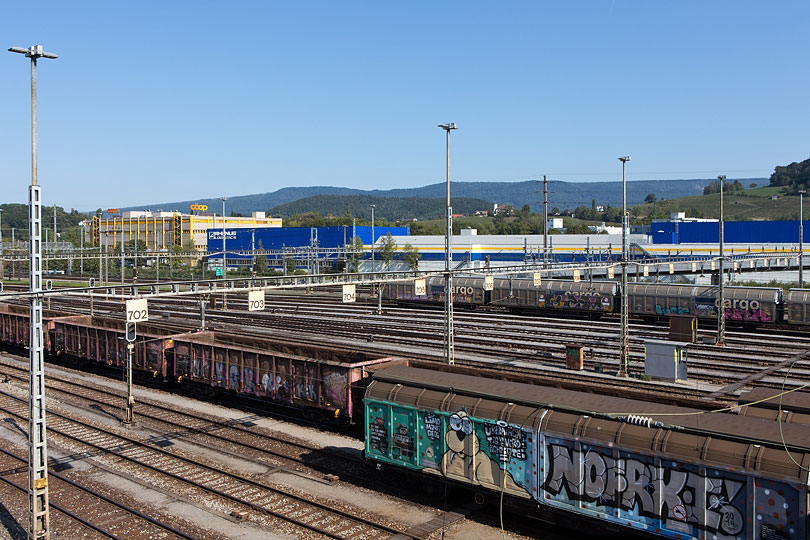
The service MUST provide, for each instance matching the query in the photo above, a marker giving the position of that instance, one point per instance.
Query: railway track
(89, 510)
(239, 438)
(210, 484)
(508, 338)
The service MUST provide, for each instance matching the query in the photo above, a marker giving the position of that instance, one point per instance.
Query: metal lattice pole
(721, 301)
(801, 238)
(449, 338)
(38, 507)
(624, 339)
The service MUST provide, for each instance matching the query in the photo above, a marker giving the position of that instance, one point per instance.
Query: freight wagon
(320, 381)
(668, 471)
(745, 305)
(15, 325)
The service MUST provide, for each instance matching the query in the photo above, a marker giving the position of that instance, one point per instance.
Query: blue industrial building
(735, 232)
(327, 241)
(276, 238)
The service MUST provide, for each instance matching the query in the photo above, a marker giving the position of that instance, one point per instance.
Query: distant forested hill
(561, 194)
(796, 175)
(385, 207)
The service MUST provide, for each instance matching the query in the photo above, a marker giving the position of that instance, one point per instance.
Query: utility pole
(81, 251)
(38, 506)
(224, 262)
(129, 409)
(721, 310)
(100, 266)
(624, 345)
(545, 220)
(801, 238)
(372, 238)
(2, 263)
(122, 251)
(449, 340)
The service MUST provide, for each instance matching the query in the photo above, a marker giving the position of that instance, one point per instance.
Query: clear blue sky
(164, 101)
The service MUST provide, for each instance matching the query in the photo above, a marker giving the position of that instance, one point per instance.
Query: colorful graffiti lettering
(678, 310)
(673, 498)
(505, 441)
(334, 385)
(752, 315)
(648, 488)
(588, 300)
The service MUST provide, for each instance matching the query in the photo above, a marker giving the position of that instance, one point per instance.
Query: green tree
(388, 247)
(577, 228)
(412, 255)
(650, 198)
(355, 253)
(261, 260)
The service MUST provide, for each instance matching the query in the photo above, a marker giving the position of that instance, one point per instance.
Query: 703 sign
(255, 300)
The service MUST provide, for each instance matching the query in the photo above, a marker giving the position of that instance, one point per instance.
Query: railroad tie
(438, 523)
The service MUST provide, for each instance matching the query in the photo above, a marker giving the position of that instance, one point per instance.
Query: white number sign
(646, 270)
(349, 294)
(712, 265)
(489, 283)
(671, 268)
(137, 310)
(538, 279)
(751, 263)
(419, 288)
(611, 272)
(255, 300)
(694, 267)
(576, 276)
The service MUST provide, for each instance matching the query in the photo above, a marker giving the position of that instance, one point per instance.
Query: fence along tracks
(193, 479)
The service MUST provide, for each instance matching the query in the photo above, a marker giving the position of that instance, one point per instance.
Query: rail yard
(383, 430)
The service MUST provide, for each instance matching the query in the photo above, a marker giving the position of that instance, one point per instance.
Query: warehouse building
(160, 230)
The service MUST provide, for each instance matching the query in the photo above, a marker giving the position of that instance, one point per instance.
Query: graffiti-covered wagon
(321, 381)
(669, 471)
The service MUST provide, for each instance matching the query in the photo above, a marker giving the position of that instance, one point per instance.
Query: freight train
(624, 464)
(616, 463)
(323, 383)
(744, 305)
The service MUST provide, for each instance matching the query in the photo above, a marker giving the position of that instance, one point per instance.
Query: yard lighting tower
(624, 339)
(224, 265)
(38, 512)
(2, 264)
(372, 237)
(449, 346)
(801, 238)
(721, 310)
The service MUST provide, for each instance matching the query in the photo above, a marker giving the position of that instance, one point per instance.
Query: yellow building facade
(166, 230)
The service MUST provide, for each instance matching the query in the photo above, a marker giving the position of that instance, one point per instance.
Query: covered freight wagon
(320, 380)
(669, 471)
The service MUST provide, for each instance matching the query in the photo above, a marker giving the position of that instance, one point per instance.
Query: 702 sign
(137, 310)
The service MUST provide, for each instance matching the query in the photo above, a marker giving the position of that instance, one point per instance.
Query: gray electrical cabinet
(665, 359)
